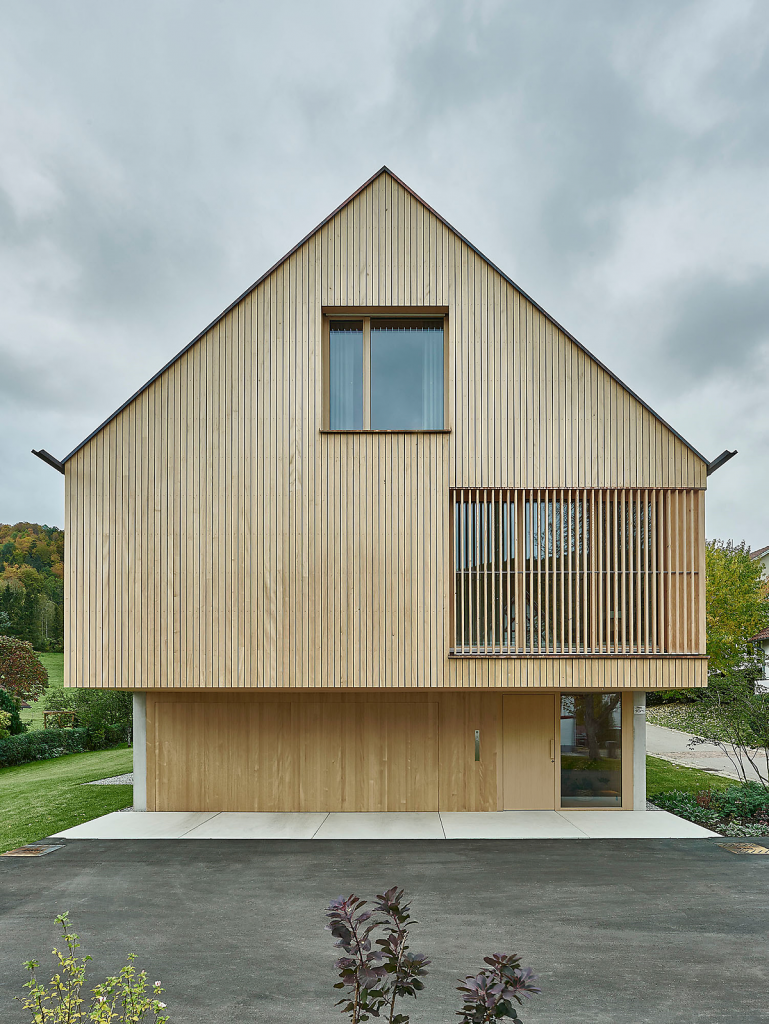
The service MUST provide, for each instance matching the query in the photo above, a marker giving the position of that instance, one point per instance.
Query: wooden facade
(218, 537)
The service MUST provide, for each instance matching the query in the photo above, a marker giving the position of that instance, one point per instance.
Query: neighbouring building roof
(760, 552)
(763, 635)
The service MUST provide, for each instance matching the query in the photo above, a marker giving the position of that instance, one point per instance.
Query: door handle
(477, 744)
(552, 751)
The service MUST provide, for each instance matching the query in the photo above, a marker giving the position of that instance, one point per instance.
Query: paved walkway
(414, 825)
(673, 745)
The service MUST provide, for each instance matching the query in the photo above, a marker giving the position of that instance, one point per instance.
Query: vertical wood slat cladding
(576, 571)
(283, 751)
(219, 539)
(296, 756)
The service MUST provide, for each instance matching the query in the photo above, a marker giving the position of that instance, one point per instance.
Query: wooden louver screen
(577, 571)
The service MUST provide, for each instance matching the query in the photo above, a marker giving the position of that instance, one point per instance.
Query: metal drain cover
(40, 851)
(743, 847)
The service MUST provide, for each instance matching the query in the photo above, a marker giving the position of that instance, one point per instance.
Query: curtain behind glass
(406, 377)
(345, 373)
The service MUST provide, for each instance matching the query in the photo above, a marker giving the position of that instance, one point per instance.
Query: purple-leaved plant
(405, 970)
(489, 995)
(375, 978)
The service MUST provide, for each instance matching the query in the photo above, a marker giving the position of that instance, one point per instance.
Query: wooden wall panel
(283, 751)
(295, 755)
(216, 538)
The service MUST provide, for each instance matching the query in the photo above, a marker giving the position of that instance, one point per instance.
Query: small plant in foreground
(489, 995)
(375, 978)
(126, 998)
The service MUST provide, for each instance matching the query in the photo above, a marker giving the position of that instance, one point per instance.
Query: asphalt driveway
(619, 931)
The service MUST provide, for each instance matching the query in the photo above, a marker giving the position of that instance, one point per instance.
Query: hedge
(46, 743)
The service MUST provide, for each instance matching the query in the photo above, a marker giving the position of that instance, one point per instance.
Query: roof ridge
(384, 169)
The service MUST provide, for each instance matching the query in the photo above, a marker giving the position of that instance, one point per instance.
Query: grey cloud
(718, 327)
(164, 155)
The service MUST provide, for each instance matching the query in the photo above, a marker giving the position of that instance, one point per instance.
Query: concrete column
(639, 751)
(140, 751)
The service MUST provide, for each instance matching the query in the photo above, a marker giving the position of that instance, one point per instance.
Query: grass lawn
(54, 663)
(46, 796)
(662, 776)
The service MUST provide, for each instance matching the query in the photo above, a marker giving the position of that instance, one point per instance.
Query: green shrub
(99, 711)
(685, 805)
(125, 997)
(42, 744)
(10, 704)
(741, 810)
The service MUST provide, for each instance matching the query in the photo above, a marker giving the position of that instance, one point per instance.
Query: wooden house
(385, 537)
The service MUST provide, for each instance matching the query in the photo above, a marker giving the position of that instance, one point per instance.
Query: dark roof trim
(382, 170)
(718, 462)
(49, 460)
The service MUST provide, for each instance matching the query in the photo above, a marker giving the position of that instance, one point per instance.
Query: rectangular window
(591, 750)
(571, 571)
(386, 374)
(345, 375)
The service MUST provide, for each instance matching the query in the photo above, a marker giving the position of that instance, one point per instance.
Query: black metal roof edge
(720, 460)
(49, 459)
(384, 169)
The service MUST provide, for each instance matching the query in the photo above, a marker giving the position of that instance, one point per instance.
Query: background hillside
(32, 584)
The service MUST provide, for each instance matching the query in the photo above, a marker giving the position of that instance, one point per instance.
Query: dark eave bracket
(718, 462)
(49, 460)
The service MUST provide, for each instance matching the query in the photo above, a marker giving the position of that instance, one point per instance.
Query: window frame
(365, 315)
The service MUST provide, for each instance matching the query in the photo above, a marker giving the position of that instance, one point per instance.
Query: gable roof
(760, 553)
(59, 464)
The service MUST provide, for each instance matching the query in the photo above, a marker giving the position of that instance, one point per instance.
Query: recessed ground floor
(394, 751)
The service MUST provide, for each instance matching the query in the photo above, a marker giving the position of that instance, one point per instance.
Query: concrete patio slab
(636, 825)
(372, 825)
(509, 825)
(406, 825)
(138, 825)
(258, 825)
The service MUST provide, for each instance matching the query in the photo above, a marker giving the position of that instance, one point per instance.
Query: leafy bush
(740, 810)
(5, 724)
(376, 978)
(11, 704)
(489, 995)
(42, 744)
(21, 671)
(124, 998)
(97, 710)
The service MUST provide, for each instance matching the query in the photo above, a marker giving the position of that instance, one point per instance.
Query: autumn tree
(21, 671)
(737, 606)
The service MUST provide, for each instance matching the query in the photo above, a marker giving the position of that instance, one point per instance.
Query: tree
(11, 705)
(21, 671)
(737, 606)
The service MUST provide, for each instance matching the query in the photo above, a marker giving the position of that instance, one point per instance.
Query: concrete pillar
(639, 751)
(140, 751)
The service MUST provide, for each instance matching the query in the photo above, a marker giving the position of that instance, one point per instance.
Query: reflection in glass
(484, 583)
(591, 750)
(345, 371)
(406, 375)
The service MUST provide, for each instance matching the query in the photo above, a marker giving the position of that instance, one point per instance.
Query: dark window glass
(591, 750)
(345, 375)
(406, 375)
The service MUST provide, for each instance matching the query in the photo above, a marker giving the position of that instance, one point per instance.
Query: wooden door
(529, 751)
(296, 756)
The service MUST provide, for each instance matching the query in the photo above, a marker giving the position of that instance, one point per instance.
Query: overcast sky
(156, 157)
